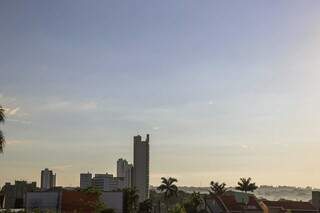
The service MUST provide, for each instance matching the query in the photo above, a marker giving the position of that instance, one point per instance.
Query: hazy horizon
(226, 89)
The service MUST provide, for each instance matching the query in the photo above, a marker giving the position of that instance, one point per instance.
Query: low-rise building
(43, 201)
(14, 195)
(106, 182)
(286, 206)
(233, 203)
(73, 201)
(316, 199)
(113, 200)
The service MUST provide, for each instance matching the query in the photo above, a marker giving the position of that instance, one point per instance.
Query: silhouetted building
(48, 179)
(125, 170)
(141, 166)
(73, 201)
(13, 195)
(43, 201)
(85, 180)
(316, 199)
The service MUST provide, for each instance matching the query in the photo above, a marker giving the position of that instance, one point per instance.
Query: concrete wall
(316, 199)
(113, 200)
(43, 201)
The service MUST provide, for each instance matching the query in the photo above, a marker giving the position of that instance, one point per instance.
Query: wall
(43, 201)
(113, 200)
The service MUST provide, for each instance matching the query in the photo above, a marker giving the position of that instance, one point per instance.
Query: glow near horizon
(225, 90)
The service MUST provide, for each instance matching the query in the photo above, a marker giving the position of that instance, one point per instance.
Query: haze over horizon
(226, 89)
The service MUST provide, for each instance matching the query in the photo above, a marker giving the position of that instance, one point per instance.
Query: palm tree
(131, 199)
(145, 206)
(169, 189)
(217, 189)
(246, 185)
(2, 118)
(193, 203)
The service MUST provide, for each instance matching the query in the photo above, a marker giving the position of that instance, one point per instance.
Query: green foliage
(217, 189)
(2, 115)
(145, 206)
(107, 210)
(131, 198)
(246, 185)
(192, 204)
(168, 187)
(92, 190)
(177, 209)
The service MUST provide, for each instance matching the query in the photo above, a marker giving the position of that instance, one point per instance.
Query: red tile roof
(73, 201)
(229, 203)
(290, 205)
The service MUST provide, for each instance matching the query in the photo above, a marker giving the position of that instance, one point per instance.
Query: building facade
(124, 170)
(287, 206)
(14, 195)
(232, 202)
(316, 199)
(141, 166)
(85, 180)
(73, 201)
(43, 201)
(106, 182)
(48, 179)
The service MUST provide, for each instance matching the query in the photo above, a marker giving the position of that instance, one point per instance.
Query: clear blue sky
(225, 88)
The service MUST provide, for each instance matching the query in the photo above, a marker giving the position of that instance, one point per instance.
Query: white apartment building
(106, 182)
(85, 180)
(124, 170)
(48, 179)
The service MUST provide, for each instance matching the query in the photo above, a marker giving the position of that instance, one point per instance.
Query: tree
(2, 119)
(217, 189)
(192, 204)
(178, 209)
(145, 206)
(246, 185)
(107, 210)
(168, 188)
(131, 199)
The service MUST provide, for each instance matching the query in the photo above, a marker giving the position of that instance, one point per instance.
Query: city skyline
(226, 90)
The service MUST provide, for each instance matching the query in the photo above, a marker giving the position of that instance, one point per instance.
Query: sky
(226, 89)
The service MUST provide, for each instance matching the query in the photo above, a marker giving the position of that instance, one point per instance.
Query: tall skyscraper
(85, 180)
(141, 166)
(48, 179)
(124, 170)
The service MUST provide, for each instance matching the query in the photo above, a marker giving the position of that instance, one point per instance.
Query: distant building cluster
(235, 202)
(24, 195)
(12, 195)
(128, 175)
(104, 182)
(49, 197)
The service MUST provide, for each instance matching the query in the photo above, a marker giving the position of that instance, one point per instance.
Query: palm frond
(2, 142)
(2, 115)
(172, 180)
